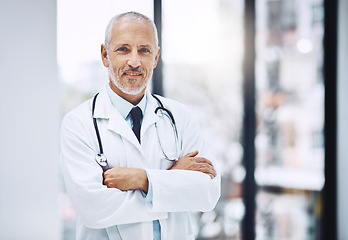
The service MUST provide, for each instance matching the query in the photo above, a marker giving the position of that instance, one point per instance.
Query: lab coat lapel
(117, 123)
(150, 117)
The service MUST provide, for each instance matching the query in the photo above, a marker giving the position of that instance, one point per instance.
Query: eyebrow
(127, 45)
(145, 46)
(122, 45)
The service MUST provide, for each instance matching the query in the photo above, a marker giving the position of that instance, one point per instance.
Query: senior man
(135, 164)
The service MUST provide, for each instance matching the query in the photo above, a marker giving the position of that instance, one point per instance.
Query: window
(290, 119)
(202, 57)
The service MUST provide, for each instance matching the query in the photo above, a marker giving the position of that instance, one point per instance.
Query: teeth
(133, 74)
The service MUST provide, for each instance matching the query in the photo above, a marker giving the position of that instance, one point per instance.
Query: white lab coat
(109, 213)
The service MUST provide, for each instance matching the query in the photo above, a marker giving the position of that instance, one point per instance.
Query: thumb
(192, 154)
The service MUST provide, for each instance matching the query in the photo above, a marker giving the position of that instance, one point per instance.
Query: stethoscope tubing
(101, 158)
(96, 125)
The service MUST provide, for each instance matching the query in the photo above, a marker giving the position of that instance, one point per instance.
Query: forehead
(132, 32)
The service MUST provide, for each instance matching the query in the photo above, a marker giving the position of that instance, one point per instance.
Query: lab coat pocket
(113, 233)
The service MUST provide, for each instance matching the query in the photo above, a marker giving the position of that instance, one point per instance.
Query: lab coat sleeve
(97, 205)
(183, 190)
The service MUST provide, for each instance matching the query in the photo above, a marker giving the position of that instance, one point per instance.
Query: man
(142, 195)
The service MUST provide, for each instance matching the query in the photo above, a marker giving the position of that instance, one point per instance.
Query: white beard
(124, 88)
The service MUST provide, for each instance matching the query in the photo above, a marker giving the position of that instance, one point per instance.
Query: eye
(122, 49)
(144, 50)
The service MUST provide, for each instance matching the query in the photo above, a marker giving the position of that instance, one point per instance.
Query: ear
(104, 56)
(157, 58)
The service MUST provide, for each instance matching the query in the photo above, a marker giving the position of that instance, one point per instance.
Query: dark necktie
(136, 115)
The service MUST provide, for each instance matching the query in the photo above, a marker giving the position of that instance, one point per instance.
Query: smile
(133, 74)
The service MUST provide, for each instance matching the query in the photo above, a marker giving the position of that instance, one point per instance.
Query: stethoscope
(101, 159)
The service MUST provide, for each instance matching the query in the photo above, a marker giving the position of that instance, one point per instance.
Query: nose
(134, 60)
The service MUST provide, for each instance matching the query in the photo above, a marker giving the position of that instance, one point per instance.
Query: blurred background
(272, 72)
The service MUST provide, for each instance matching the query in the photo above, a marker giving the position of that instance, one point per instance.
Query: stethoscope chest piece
(102, 161)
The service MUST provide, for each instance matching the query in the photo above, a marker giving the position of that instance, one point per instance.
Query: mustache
(129, 68)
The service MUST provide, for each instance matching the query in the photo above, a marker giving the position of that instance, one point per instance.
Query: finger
(203, 160)
(192, 154)
(212, 175)
(204, 168)
(107, 173)
(106, 182)
(209, 170)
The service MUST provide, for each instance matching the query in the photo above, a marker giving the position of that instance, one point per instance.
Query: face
(131, 58)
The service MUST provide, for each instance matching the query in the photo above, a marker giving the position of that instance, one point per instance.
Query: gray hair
(128, 16)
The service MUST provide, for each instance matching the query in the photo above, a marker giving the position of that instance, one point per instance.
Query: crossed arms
(135, 178)
(190, 185)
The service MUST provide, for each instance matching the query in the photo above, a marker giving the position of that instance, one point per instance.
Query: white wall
(29, 122)
(342, 120)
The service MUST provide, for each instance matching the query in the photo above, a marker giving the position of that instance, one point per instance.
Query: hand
(193, 163)
(126, 178)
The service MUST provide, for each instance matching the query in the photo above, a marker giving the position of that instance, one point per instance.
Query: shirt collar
(122, 105)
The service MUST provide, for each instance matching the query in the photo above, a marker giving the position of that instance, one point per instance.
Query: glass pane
(290, 112)
(202, 53)
(81, 28)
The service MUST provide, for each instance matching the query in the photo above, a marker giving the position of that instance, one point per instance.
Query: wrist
(142, 180)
